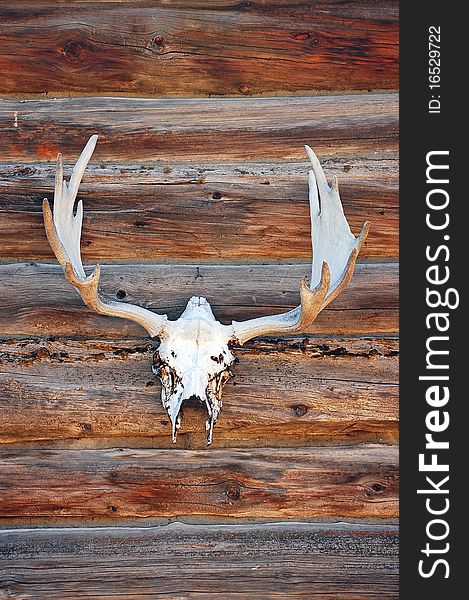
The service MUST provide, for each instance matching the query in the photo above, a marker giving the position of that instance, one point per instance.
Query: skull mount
(193, 361)
(194, 357)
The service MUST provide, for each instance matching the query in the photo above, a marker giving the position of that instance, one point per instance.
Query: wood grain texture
(353, 562)
(36, 300)
(216, 212)
(198, 48)
(188, 194)
(195, 129)
(311, 483)
(295, 392)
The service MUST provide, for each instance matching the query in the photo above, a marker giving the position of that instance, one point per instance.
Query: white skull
(193, 360)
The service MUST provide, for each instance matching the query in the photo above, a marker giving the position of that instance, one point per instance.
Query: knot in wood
(305, 35)
(158, 42)
(25, 171)
(233, 492)
(375, 489)
(72, 50)
(300, 410)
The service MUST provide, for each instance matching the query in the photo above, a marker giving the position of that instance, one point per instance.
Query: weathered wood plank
(36, 300)
(192, 130)
(316, 483)
(217, 212)
(259, 561)
(292, 393)
(198, 48)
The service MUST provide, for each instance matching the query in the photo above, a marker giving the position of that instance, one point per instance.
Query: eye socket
(168, 378)
(157, 364)
(218, 359)
(218, 381)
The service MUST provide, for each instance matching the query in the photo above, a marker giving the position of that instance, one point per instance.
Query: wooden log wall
(198, 186)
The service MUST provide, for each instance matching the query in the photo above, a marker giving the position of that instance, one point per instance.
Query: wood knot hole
(72, 50)
(158, 42)
(300, 410)
(233, 492)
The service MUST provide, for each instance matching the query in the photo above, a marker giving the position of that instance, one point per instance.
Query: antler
(63, 230)
(335, 250)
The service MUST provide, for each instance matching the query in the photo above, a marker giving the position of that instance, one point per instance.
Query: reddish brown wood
(293, 392)
(199, 211)
(164, 215)
(36, 300)
(192, 130)
(200, 229)
(327, 483)
(198, 48)
(197, 561)
(169, 183)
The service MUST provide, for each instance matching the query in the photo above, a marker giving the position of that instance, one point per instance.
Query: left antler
(335, 250)
(63, 230)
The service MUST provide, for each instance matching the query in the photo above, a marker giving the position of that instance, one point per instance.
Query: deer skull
(194, 357)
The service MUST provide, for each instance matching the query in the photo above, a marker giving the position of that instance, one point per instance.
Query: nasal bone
(195, 384)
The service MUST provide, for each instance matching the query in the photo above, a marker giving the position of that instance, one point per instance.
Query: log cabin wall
(198, 186)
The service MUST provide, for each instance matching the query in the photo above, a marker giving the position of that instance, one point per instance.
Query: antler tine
(332, 240)
(63, 230)
(335, 251)
(66, 231)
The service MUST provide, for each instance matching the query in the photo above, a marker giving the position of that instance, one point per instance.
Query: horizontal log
(198, 48)
(104, 485)
(180, 211)
(295, 392)
(36, 300)
(193, 561)
(190, 130)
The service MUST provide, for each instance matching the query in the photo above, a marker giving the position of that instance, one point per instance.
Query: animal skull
(194, 361)
(194, 356)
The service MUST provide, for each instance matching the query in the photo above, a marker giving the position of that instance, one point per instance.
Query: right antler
(63, 230)
(335, 251)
